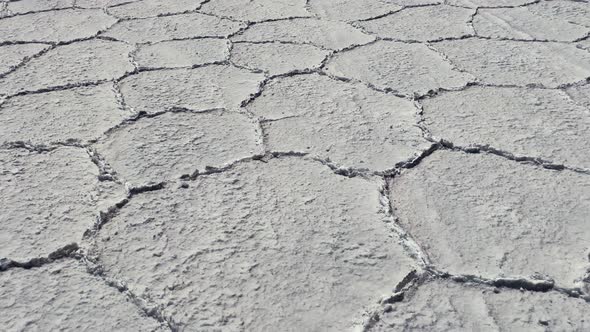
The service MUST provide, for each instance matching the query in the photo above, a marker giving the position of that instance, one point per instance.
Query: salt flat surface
(292, 165)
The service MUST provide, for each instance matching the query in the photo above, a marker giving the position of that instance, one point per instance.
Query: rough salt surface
(76, 115)
(150, 8)
(436, 22)
(584, 44)
(13, 55)
(571, 11)
(225, 161)
(28, 6)
(49, 201)
(405, 3)
(101, 3)
(405, 68)
(327, 34)
(521, 23)
(182, 26)
(277, 58)
(165, 147)
(256, 10)
(182, 53)
(482, 214)
(526, 122)
(227, 252)
(580, 94)
(352, 10)
(489, 3)
(215, 86)
(80, 63)
(348, 124)
(518, 63)
(59, 26)
(443, 305)
(63, 296)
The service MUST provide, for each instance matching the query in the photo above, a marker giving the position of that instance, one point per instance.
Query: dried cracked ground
(293, 165)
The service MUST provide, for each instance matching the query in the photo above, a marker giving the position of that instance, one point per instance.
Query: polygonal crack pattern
(216, 86)
(30, 6)
(520, 63)
(348, 124)
(174, 144)
(103, 4)
(256, 10)
(351, 10)
(326, 34)
(482, 214)
(571, 11)
(182, 53)
(522, 23)
(490, 3)
(182, 26)
(82, 63)
(444, 305)
(294, 165)
(543, 123)
(229, 251)
(59, 26)
(277, 58)
(63, 296)
(408, 69)
(77, 115)
(49, 200)
(13, 55)
(151, 8)
(438, 22)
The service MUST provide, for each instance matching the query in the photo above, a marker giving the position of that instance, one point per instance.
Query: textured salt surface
(320, 165)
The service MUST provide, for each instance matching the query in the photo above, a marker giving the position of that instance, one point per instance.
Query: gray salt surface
(293, 165)
(448, 306)
(226, 254)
